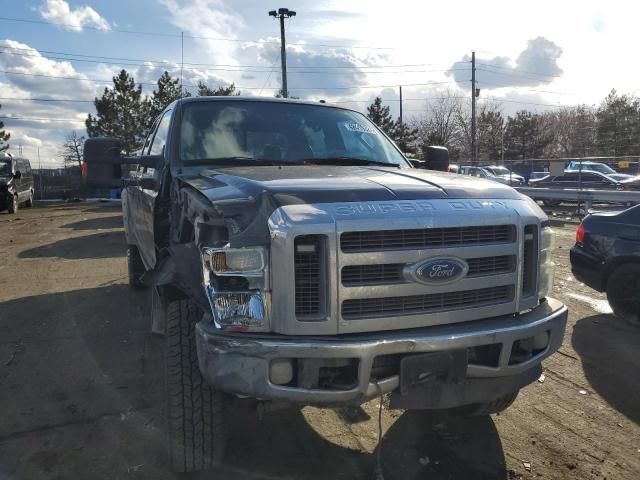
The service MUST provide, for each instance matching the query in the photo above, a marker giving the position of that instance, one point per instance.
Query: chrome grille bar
(377, 240)
(391, 273)
(430, 303)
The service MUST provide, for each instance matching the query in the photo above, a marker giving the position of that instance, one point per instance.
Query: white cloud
(33, 73)
(59, 11)
(209, 20)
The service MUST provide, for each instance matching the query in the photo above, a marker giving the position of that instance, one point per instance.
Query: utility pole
(283, 13)
(474, 158)
(181, 56)
(400, 104)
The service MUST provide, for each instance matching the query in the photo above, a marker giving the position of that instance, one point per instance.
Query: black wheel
(135, 267)
(29, 203)
(197, 429)
(623, 292)
(12, 206)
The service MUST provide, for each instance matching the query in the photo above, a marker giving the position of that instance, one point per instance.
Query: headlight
(235, 261)
(235, 285)
(547, 267)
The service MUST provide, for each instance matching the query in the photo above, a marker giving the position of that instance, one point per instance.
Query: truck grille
(530, 260)
(309, 272)
(422, 304)
(380, 240)
(479, 267)
(391, 273)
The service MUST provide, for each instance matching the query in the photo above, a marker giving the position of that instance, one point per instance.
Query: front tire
(12, 206)
(196, 412)
(135, 268)
(623, 292)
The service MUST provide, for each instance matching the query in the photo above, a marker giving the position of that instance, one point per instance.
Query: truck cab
(295, 256)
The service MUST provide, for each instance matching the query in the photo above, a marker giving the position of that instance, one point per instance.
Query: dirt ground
(81, 390)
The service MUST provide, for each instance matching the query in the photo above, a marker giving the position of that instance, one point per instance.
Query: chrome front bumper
(240, 363)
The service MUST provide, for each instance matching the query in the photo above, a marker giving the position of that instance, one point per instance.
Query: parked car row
(494, 172)
(589, 180)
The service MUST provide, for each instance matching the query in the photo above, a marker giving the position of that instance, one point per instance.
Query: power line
(177, 35)
(515, 75)
(518, 70)
(47, 99)
(317, 67)
(319, 88)
(38, 119)
(246, 69)
(555, 92)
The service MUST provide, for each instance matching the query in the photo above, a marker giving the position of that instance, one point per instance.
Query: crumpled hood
(247, 196)
(322, 184)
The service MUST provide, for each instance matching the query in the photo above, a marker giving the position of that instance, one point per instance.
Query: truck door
(140, 202)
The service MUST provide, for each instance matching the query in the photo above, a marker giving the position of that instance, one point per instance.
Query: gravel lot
(81, 385)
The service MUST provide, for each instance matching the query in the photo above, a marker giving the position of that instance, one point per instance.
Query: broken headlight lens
(235, 261)
(235, 286)
(547, 267)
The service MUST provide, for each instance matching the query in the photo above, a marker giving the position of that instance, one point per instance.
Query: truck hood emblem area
(437, 271)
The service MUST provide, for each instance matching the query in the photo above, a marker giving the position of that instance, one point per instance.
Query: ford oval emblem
(439, 271)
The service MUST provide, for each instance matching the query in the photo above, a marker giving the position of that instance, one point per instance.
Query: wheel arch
(613, 264)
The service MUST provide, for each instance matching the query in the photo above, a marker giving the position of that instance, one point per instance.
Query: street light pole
(283, 13)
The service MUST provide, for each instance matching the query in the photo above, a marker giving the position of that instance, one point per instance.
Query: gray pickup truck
(296, 256)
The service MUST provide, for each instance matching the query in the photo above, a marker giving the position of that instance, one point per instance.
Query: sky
(56, 56)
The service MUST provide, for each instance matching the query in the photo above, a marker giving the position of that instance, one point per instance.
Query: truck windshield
(281, 132)
(5, 168)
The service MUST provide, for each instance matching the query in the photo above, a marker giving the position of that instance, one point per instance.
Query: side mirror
(417, 163)
(17, 175)
(437, 158)
(103, 160)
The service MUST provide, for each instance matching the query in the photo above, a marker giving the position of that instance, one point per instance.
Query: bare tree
(440, 124)
(72, 150)
(574, 131)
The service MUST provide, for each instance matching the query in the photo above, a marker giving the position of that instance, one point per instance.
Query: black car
(16, 183)
(585, 180)
(606, 257)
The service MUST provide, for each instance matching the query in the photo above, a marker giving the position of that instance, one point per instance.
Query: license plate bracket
(428, 369)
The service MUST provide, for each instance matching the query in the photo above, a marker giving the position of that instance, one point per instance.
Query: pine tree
(206, 91)
(4, 137)
(490, 135)
(380, 115)
(618, 127)
(122, 112)
(169, 90)
(405, 137)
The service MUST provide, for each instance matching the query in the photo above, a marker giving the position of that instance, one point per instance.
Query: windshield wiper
(239, 160)
(347, 161)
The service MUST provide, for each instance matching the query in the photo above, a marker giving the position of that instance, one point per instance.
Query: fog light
(540, 341)
(281, 371)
